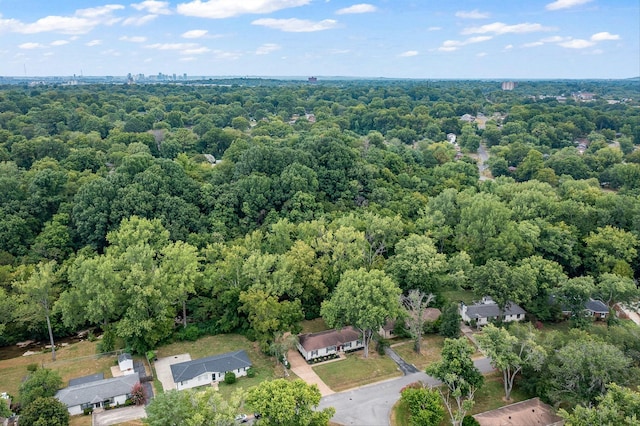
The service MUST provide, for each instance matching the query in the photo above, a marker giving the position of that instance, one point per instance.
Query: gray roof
(124, 356)
(596, 306)
(324, 339)
(214, 364)
(490, 310)
(100, 390)
(86, 379)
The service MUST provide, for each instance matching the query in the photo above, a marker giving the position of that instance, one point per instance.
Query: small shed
(125, 363)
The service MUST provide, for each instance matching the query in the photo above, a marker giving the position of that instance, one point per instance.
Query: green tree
(510, 353)
(415, 304)
(45, 411)
(417, 264)
(363, 299)
(580, 371)
(620, 406)
(425, 407)
(288, 403)
(460, 377)
(42, 383)
(608, 246)
(450, 321)
(612, 288)
(38, 293)
(573, 294)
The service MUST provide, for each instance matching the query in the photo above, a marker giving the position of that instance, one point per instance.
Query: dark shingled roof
(324, 339)
(86, 379)
(124, 356)
(596, 306)
(531, 412)
(489, 310)
(214, 364)
(97, 391)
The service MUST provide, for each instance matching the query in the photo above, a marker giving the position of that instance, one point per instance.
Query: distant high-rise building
(184, 76)
(508, 85)
(313, 79)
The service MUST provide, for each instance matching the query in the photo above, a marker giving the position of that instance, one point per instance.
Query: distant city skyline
(467, 39)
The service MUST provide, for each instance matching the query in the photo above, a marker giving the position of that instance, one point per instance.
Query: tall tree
(363, 299)
(620, 406)
(288, 403)
(417, 264)
(193, 408)
(460, 377)
(415, 304)
(38, 293)
(42, 383)
(45, 412)
(612, 288)
(510, 353)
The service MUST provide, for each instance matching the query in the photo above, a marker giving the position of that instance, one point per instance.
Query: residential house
(96, 393)
(329, 342)
(125, 363)
(596, 309)
(204, 371)
(531, 412)
(487, 310)
(429, 315)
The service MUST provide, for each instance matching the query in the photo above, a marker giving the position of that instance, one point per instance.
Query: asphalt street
(371, 405)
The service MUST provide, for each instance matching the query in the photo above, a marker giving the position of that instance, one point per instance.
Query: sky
(424, 39)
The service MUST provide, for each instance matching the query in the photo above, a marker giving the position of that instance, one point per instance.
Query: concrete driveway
(304, 371)
(118, 415)
(163, 369)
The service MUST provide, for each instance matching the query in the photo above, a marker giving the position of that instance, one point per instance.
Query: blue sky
(470, 39)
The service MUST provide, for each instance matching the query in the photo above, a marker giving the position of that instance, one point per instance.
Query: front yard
(356, 371)
(429, 353)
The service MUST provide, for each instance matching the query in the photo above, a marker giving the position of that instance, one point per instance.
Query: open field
(357, 371)
(313, 326)
(455, 296)
(75, 360)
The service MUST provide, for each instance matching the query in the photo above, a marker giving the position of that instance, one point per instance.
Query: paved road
(483, 156)
(371, 405)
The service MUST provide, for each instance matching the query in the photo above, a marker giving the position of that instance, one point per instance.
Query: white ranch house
(204, 371)
(329, 342)
(487, 310)
(91, 393)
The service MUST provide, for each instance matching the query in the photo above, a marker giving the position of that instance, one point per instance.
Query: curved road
(371, 405)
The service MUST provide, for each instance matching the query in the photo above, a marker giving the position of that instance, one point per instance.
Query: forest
(162, 212)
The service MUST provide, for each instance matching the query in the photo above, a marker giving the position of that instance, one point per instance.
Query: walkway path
(303, 370)
(404, 366)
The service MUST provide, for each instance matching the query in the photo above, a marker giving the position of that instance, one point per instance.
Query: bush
(229, 377)
(138, 394)
(450, 325)
(191, 333)
(251, 372)
(87, 411)
(469, 420)
(108, 341)
(381, 344)
(151, 356)
(432, 327)
(91, 336)
(32, 367)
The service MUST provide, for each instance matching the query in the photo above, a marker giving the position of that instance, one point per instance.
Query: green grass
(313, 326)
(455, 296)
(264, 365)
(429, 353)
(491, 395)
(357, 371)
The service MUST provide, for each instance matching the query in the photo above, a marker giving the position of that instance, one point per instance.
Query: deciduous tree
(415, 304)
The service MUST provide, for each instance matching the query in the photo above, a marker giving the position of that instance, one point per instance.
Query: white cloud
(339, 51)
(554, 39)
(196, 51)
(139, 20)
(502, 28)
(357, 8)
(171, 46)
(294, 25)
(218, 9)
(93, 43)
(451, 45)
(31, 45)
(194, 34)
(576, 43)
(508, 47)
(153, 7)
(473, 14)
(221, 54)
(434, 28)
(134, 39)
(81, 22)
(188, 58)
(408, 54)
(604, 36)
(481, 54)
(565, 4)
(111, 52)
(533, 44)
(267, 48)
(59, 42)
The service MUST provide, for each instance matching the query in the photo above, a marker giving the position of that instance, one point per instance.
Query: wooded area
(162, 212)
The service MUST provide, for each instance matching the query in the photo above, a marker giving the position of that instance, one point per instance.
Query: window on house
(331, 349)
(347, 345)
(314, 353)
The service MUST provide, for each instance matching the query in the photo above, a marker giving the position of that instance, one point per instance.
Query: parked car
(242, 418)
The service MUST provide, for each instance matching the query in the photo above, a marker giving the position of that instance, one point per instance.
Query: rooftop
(488, 310)
(86, 379)
(97, 391)
(531, 412)
(324, 339)
(214, 364)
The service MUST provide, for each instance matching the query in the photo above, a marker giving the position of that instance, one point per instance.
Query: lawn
(455, 296)
(357, 371)
(313, 326)
(212, 345)
(429, 353)
(75, 360)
